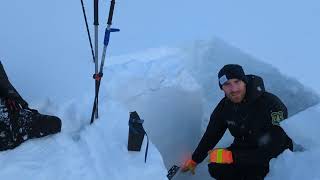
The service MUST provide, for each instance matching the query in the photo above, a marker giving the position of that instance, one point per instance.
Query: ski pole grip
(96, 12)
(111, 12)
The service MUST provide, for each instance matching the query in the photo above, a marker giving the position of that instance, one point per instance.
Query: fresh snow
(98, 151)
(169, 91)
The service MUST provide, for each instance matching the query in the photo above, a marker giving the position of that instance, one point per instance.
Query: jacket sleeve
(214, 132)
(272, 141)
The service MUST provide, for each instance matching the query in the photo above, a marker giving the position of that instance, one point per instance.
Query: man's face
(235, 90)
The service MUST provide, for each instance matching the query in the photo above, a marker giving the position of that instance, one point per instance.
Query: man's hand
(221, 156)
(189, 165)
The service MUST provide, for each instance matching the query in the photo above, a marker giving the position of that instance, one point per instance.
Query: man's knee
(222, 171)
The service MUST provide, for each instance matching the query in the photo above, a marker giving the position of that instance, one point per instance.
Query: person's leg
(43, 125)
(32, 124)
(257, 172)
(254, 178)
(250, 172)
(224, 172)
(18, 122)
(8, 138)
(26, 124)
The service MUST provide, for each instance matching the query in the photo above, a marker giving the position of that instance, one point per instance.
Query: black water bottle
(136, 132)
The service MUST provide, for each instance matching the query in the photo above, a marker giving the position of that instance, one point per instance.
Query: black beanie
(231, 71)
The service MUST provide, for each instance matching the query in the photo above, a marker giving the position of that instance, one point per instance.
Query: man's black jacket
(254, 124)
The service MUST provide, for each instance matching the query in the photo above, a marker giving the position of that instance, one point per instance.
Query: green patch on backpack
(277, 117)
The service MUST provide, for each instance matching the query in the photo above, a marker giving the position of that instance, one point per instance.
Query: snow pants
(234, 172)
(252, 163)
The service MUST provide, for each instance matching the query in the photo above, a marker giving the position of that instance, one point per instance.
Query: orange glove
(189, 165)
(222, 156)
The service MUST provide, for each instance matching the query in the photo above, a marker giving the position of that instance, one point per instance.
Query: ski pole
(96, 37)
(107, 34)
(99, 75)
(87, 27)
